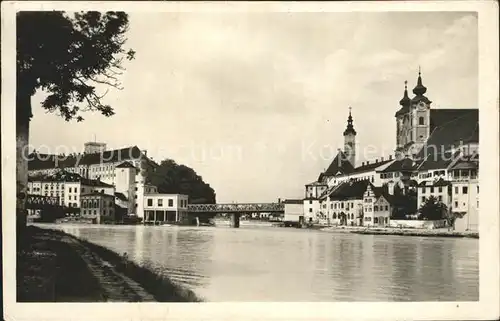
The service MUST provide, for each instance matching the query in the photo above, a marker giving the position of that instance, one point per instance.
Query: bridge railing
(229, 208)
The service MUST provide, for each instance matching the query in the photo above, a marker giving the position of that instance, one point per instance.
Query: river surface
(287, 264)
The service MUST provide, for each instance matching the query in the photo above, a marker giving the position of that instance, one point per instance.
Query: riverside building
(120, 173)
(435, 149)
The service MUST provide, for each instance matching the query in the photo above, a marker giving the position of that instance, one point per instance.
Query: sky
(257, 103)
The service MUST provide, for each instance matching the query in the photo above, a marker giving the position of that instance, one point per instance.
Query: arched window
(334, 215)
(420, 120)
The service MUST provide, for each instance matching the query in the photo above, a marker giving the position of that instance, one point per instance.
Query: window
(160, 202)
(170, 202)
(477, 189)
(387, 207)
(477, 205)
(310, 210)
(440, 189)
(375, 208)
(440, 198)
(95, 211)
(456, 189)
(310, 202)
(386, 220)
(456, 204)
(420, 120)
(464, 189)
(334, 216)
(432, 190)
(375, 220)
(368, 219)
(423, 199)
(76, 189)
(423, 190)
(150, 202)
(104, 212)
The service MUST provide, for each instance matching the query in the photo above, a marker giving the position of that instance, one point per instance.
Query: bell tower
(350, 141)
(420, 114)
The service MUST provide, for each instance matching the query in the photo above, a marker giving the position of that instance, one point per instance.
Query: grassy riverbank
(49, 269)
(402, 232)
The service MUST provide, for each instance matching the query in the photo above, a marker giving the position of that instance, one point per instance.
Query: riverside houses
(98, 207)
(165, 208)
(439, 189)
(434, 152)
(68, 187)
(465, 192)
(376, 207)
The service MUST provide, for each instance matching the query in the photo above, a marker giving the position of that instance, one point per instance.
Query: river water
(287, 264)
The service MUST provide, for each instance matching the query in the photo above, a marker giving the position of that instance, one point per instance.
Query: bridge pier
(235, 220)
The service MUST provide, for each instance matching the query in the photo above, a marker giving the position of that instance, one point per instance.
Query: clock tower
(350, 141)
(420, 114)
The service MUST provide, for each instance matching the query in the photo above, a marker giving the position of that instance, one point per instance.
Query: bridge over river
(235, 209)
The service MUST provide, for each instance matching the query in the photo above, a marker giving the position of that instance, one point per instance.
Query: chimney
(381, 159)
(363, 164)
(376, 160)
(367, 162)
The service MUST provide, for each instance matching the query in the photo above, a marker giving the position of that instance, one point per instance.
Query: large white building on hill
(436, 149)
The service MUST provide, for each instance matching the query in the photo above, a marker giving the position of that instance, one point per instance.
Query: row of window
(104, 212)
(424, 189)
(440, 198)
(95, 203)
(376, 220)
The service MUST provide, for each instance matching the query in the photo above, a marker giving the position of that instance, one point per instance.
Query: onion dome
(419, 89)
(405, 101)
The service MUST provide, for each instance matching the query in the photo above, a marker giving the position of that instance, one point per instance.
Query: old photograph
(247, 156)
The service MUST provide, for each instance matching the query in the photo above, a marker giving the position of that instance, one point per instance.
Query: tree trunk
(23, 117)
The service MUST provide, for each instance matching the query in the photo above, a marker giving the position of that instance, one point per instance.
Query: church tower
(350, 141)
(420, 117)
(403, 126)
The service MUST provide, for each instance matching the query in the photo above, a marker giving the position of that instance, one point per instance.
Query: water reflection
(249, 264)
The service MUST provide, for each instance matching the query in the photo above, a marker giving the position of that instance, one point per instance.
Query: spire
(350, 127)
(405, 101)
(419, 89)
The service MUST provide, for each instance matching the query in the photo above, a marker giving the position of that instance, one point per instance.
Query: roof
(438, 161)
(399, 165)
(96, 194)
(125, 165)
(450, 127)
(121, 196)
(316, 183)
(370, 166)
(340, 164)
(439, 182)
(295, 201)
(46, 161)
(65, 176)
(352, 189)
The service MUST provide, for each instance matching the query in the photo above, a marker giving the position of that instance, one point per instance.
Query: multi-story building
(376, 207)
(440, 189)
(312, 200)
(165, 208)
(68, 187)
(465, 193)
(98, 207)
